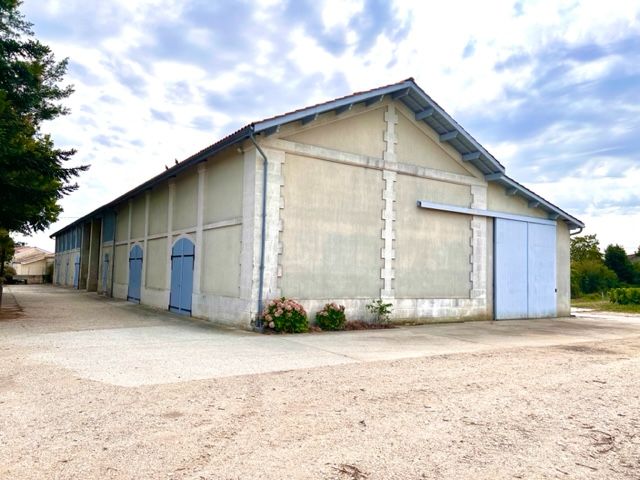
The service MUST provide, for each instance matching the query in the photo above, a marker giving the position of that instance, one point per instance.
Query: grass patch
(604, 305)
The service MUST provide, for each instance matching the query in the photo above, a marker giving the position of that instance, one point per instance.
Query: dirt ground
(568, 411)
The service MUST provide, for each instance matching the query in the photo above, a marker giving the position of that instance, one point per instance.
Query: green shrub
(591, 276)
(331, 317)
(625, 296)
(285, 315)
(382, 311)
(593, 296)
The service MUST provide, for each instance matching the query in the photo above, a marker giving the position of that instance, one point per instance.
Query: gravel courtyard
(97, 388)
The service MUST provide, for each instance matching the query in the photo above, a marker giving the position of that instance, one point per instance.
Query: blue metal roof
(412, 96)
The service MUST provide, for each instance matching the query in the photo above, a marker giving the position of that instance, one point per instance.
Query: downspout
(113, 249)
(263, 231)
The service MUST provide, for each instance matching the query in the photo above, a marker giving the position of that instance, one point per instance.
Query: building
(32, 264)
(379, 194)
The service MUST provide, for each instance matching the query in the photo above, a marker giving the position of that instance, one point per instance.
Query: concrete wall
(331, 234)
(185, 202)
(34, 268)
(205, 204)
(155, 262)
(361, 134)
(418, 145)
(432, 248)
(497, 199)
(342, 223)
(65, 262)
(221, 261)
(349, 228)
(138, 217)
(122, 223)
(121, 270)
(158, 206)
(106, 270)
(223, 187)
(427, 263)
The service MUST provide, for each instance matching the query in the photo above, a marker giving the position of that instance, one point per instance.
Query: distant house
(633, 258)
(379, 194)
(32, 264)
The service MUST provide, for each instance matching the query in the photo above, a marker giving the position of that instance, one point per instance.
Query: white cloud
(451, 48)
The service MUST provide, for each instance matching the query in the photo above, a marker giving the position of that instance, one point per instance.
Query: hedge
(625, 296)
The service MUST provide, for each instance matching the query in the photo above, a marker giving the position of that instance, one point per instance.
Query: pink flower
(268, 317)
(272, 325)
(288, 308)
(278, 312)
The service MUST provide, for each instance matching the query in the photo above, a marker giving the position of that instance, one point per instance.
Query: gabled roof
(411, 95)
(26, 255)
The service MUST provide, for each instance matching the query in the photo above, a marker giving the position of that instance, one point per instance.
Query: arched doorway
(182, 258)
(135, 274)
(76, 271)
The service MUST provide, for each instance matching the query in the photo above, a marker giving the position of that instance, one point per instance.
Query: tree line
(34, 174)
(593, 271)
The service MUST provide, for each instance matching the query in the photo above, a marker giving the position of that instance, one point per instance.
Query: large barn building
(380, 194)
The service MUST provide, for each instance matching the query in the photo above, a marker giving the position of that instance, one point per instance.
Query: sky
(550, 88)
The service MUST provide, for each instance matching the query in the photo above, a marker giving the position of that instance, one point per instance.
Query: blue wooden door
(182, 258)
(135, 274)
(525, 269)
(105, 272)
(510, 269)
(542, 270)
(76, 271)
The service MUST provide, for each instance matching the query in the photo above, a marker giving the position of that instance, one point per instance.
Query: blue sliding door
(525, 269)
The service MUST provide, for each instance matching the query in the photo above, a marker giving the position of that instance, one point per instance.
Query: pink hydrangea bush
(285, 315)
(331, 317)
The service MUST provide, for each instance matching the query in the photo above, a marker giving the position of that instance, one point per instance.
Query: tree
(33, 176)
(591, 276)
(586, 247)
(7, 249)
(615, 258)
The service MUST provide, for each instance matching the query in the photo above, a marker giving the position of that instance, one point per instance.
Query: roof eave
(201, 156)
(553, 210)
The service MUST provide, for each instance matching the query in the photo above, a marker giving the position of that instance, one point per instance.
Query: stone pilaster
(389, 177)
(274, 227)
(478, 245)
(147, 200)
(172, 194)
(388, 252)
(390, 137)
(250, 233)
(197, 266)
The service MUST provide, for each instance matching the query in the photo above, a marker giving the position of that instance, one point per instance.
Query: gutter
(258, 326)
(113, 249)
